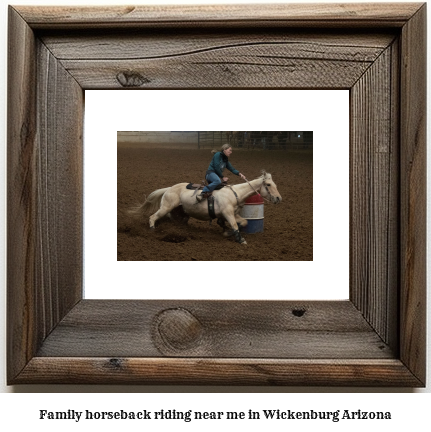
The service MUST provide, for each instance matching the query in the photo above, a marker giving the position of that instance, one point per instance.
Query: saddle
(200, 186)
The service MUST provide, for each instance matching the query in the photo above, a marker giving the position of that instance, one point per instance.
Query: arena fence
(211, 139)
(267, 140)
(156, 137)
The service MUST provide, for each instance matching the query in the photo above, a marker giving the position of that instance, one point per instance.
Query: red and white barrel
(253, 212)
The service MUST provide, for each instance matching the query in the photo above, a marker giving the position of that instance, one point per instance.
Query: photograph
(210, 192)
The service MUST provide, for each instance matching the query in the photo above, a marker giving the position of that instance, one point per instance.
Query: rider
(214, 174)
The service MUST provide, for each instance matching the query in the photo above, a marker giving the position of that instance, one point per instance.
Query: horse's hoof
(243, 242)
(229, 233)
(152, 228)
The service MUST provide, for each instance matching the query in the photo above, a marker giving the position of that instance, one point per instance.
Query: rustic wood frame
(376, 338)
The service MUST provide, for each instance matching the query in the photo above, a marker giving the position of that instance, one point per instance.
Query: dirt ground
(288, 227)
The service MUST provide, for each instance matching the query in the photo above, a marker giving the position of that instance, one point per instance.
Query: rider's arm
(231, 168)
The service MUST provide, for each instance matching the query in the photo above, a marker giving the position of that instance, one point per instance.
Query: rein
(257, 193)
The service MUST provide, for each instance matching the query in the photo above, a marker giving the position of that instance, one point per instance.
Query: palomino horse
(227, 203)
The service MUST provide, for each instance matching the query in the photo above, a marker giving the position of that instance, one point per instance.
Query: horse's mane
(265, 175)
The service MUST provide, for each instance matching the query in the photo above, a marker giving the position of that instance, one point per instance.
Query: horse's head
(268, 188)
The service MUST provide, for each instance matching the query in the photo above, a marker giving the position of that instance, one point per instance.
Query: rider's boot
(202, 196)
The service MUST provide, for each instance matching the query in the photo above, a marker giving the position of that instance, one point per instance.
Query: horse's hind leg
(178, 215)
(156, 216)
(222, 224)
(169, 202)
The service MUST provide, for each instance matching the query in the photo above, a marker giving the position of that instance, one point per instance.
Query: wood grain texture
(53, 336)
(374, 195)
(249, 60)
(141, 44)
(300, 14)
(413, 194)
(227, 329)
(44, 193)
(59, 190)
(21, 208)
(197, 371)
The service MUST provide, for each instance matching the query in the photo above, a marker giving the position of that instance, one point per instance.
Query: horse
(228, 202)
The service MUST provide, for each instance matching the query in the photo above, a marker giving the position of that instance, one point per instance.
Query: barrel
(253, 212)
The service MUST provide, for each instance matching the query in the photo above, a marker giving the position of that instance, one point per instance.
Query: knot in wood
(131, 79)
(115, 363)
(178, 329)
(298, 312)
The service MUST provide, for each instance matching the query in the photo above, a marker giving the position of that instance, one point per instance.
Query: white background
(324, 112)
(21, 410)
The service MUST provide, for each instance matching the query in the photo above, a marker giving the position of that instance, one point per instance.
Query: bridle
(257, 193)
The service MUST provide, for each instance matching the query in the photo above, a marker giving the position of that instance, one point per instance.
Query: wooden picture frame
(376, 338)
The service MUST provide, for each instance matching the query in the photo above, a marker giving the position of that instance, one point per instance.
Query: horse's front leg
(231, 220)
(241, 222)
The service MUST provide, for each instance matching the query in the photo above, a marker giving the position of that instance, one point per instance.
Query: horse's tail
(150, 206)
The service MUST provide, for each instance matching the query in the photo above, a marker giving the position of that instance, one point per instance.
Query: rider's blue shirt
(219, 162)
